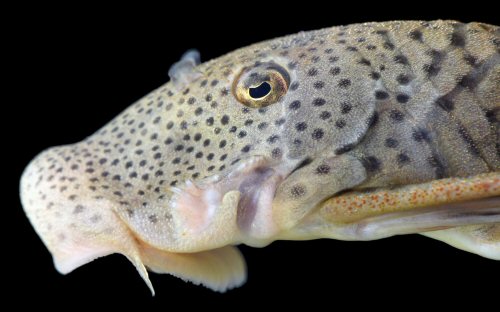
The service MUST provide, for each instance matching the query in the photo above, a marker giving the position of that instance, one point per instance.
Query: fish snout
(75, 223)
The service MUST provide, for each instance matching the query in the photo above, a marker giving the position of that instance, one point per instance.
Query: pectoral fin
(218, 269)
(418, 208)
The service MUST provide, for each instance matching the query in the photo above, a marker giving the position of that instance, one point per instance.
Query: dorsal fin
(183, 72)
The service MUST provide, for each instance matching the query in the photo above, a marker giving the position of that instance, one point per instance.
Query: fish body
(354, 132)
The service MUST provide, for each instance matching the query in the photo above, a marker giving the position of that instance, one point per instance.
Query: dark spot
(294, 86)
(198, 111)
(208, 98)
(372, 120)
(272, 139)
(471, 145)
(294, 105)
(298, 190)
(318, 134)
(262, 126)
(374, 75)
(142, 163)
(170, 124)
(242, 134)
(334, 71)
(158, 173)
(344, 149)
(197, 137)
(318, 84)
(421, 135)
(364, 61)
(381, 95)
(416, 35)
(371, 163)
(396, 115)
(470, 59)
(333, 59)
(457, 39)
(401, 59)
(292, 65)
(324, 115)
(186, 137)
(371, 47)
(312, 72)
(403, 79)
(222, 143)
(352, 49)
(117, 177)
(179, 147)
(323, 169)
(210, 121)
(301, 126)
(402, 98)
(431, 69)
(78, 209)
(248, 122)
(438, 166)
(224, 120)
(276, 153)
(246, 148)
(214, 82)
(388, 45)
(491, 115)
(391, 143)
(199, 155)
(340, 123)
(279, 122)
(467, 81)
(445, 103)
(319, 102)
(210, 156)
(344, 83)
(153, 218)
(191, 100)
(206, 142)
(345, 108)
(403, 158)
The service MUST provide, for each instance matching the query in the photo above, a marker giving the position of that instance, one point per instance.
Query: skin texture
(293, 138)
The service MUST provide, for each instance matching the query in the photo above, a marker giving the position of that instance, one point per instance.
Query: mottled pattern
(360, 106)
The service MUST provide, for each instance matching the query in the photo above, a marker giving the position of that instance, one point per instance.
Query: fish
(356, 132)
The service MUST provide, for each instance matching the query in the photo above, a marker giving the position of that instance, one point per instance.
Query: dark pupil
(260, 91)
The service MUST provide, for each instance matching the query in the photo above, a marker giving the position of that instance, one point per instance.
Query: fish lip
(198, 207)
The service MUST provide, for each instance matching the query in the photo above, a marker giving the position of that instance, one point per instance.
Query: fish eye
(260, 91)
(261, 85)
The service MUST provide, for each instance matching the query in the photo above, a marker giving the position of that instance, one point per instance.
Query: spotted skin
(195, 167)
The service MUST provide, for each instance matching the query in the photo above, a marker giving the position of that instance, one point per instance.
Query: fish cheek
(305, 188)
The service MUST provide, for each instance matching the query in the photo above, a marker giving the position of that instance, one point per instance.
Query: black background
(76, 68)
